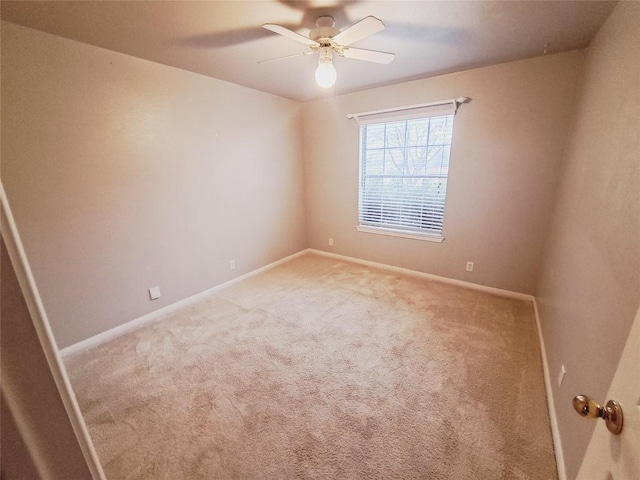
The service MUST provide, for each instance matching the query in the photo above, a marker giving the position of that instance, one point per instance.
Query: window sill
(400, 233)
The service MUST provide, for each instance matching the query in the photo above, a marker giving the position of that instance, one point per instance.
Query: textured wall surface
(506, 155)
(124, 174)
(590, 283)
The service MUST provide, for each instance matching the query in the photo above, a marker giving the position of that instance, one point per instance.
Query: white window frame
(429, 110)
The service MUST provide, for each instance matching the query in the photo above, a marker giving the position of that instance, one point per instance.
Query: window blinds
(404, 165)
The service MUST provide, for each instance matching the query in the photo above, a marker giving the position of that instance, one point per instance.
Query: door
(617, 457)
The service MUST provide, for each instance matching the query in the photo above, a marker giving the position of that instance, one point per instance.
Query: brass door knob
(611, 413)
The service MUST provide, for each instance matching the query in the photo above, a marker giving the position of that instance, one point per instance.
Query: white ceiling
(224, 39)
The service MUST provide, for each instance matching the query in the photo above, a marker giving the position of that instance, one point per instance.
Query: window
(404, 166)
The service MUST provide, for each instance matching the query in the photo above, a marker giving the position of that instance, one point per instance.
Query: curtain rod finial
(463, 100)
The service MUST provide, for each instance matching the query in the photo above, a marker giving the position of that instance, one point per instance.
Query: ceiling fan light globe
(326, 75)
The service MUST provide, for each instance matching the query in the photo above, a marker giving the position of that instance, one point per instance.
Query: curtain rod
(455, 101)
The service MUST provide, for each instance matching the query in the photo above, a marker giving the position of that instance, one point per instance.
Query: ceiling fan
(326, 40)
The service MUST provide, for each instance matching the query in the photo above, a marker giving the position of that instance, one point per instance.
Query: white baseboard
(460, 283)
(157, 315)
(553, 419)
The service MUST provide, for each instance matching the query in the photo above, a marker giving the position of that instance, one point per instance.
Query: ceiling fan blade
(310, 52)
(359, 30)
(368, 55)
(289, 34)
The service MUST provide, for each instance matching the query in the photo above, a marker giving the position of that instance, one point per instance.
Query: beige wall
(589, 288)
(124, 174)
(36, 432)
(506, 154)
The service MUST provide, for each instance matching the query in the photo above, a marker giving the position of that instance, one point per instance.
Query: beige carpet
(321, 368)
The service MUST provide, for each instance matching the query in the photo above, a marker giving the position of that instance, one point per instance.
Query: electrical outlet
(331, 242)
(469, 266)
(154, 293)
(232, 264)
(561, 375)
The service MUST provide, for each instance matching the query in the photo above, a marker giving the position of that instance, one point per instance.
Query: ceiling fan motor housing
(324, 31)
